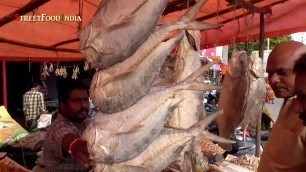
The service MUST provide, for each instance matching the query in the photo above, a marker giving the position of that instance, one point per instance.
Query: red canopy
(46, 37)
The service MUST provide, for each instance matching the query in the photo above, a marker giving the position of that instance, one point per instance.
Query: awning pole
(4, 83)
(261, 53)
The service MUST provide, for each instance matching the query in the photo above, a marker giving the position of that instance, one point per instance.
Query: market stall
(53, 31)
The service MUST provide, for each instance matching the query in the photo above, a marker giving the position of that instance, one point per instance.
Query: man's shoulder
(32, 92)
(60, 125)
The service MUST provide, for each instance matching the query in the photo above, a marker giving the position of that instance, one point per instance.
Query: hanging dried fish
(101, 39)
(86, 66)
(45, 72)
(75, 72)
(57, 71)
(63, 72)
(51, 68)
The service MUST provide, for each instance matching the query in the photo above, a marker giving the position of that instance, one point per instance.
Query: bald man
(285, 150)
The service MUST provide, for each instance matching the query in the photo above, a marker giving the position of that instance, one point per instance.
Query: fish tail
(192, 12)
(198, 129)
(204, 122)
(190, 84)
(202, 87)
(212, 137)
(192, 77)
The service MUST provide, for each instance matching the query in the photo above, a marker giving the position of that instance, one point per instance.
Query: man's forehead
(78, 93)
(279, 67)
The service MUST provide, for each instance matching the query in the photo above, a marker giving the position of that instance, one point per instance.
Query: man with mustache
(63, 149)
(285, 149)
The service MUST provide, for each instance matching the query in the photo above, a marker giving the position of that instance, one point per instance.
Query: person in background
(63, 148)
(33, 105)
(271, 95)
(300, 87)
(285, 150)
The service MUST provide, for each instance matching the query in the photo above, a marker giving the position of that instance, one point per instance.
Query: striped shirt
(54, 158)
(33, 104)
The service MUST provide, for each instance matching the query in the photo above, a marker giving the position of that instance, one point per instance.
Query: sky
(300, 36)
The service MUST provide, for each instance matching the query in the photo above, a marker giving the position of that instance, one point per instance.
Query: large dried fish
(120, 86)
(187, 61)
(171, 142)
(123, 90)
(191, 110)
(115, 45)
(120, 168)
(233, 96)
(255, 93)
(117, 30)
(107, 136)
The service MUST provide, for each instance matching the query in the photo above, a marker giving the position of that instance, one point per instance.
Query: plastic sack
(10, 130)
(44, 120)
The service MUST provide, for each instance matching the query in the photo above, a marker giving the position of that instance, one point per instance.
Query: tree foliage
(249, 47)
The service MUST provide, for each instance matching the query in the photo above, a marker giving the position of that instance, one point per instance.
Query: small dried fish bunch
(50, 68)
(248, 161)
(75, 72)
(61, 71)
(45, 72)
(210, 149)
(86, 66)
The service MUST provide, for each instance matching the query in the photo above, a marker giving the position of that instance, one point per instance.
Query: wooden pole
(261, 53)
(4, 84)
(43, 47)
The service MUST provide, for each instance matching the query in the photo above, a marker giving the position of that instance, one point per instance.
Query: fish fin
(207, 135)
(204, 122)
(122, 75)
(103, 124)
(106, 50)
(192, 77)
(124, 21)
(187, 162)
(132, 130)
(113, 146)
(197, 25)
(106, 151)
(98, 23)
(112, 91)
(201, 86)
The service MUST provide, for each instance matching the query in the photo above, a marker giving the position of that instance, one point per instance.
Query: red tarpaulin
(287, 17)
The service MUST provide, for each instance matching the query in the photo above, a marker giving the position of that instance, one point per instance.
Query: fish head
(256, 67)
(237, 66)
